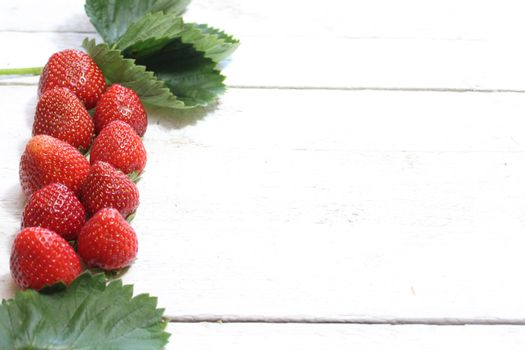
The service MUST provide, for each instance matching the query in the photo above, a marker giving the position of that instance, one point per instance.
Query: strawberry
(119, 145)
(48, 160)
(56, 208)
(107, 187)
(107, 241)
(76, 71)
(40, 257)
(59, 113)
(120, 103)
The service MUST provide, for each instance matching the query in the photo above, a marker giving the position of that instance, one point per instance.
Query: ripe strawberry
(120, 103)
(59, 113)
(40, 257)
(107, 187)
(107, 241)
(76, 71)
(48, 160)
(119, 145)
(56, 208)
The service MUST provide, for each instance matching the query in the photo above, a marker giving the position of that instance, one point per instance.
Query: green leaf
(215, 44)
(183, 77)
(118, 69)
(112, 18)
(157, 28)
(135, 176)
(149, 49)
(188, 74)
(88, 315)
(131, 217)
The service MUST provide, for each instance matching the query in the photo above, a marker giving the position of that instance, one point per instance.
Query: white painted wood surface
(302, 197)
(377, 44)
(332, 62)
(343, 337)
(384, 210)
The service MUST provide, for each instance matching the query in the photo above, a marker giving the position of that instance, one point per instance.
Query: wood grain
(336, 204)
(340, 45)
(341, 178)
(433, 20)
(343, 337)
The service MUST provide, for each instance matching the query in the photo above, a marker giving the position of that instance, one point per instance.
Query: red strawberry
(120, 103)
(76, 71)
(40, 257)
(119, 145)
(107, 241)
(48, 160)
(107, 187)
(56, 208)
(59, 113)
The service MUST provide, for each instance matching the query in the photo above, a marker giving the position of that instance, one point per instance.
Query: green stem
(22, 71)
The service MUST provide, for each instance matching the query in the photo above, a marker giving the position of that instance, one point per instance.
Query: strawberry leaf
(135, 176)
(188, 74)
(215, 44)
(183, 56)
(183, 77)
(118, 69)
(150, 34)
(169, 64)
(112, 18)
(88, 315)
(158, 28)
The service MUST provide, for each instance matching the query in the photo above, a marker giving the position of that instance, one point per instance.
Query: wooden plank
(343, 337)
(338, 46)
(342, 63)
(446, 19)
(321, 205)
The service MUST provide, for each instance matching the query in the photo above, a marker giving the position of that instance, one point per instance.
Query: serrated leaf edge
(93, 49)
(97, 281)
(195, 33)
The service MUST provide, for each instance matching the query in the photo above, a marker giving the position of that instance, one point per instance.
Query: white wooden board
(342, 178)
(337, 205)
(334, 62)
(446, 19)
(337, 44)
(343, 337)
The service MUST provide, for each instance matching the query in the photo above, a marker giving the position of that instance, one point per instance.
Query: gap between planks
(351, 37)
(348, 320)
(378, 88)
(331, 88)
